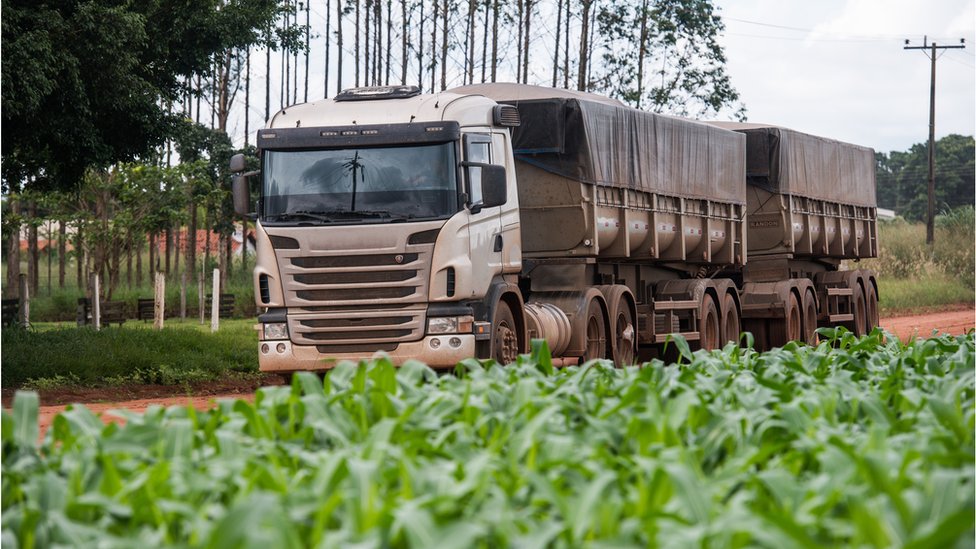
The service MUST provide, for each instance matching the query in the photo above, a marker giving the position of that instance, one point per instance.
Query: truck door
(485, 226)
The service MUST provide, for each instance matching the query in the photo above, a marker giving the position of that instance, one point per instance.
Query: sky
(835, 68)
(838, 68)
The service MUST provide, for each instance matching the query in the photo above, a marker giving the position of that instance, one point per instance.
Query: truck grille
(341, 280)
(359, 326)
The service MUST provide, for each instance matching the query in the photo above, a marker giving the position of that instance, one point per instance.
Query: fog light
(265, 348)
(455, 342)
(435, 343)
(281, 347)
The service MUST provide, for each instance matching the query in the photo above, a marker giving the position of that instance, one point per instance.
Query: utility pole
(932, 55)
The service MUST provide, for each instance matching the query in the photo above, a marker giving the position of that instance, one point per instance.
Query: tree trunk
(356, 46)
(584, 35)
(494, 41)
(366, 43)
(191, 241)
(79, 257)
(115, 269)
(221, 261)
(247, 98)
(526, 44)
(138, 251)
(50, 252)
(338, 46)
(641, 53)
(177, 249)
(169, 248)
(403, 43)
(128, 259)
(267, 82)
(206, 240)
(13, 252)
(389, 40)
(152, 256)
(229, 252)
(444, 15)
(555, 50)
(62, 251)
(433, 48)
(328, 24)
(420, 49)
(308, 8)
(484, 43)
(33, 276)
(566, 48)
(520, 16)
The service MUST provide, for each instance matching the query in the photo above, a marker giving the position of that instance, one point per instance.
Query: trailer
(466, 223)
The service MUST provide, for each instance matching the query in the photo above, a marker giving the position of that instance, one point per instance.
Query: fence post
(215, 302)
(96, 303)
(201, 297)
(159, 304)
(24, 301)
(183, 296)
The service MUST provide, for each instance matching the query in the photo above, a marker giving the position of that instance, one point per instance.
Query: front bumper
(294, 357)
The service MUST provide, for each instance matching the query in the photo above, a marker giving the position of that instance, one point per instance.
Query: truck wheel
(708, 324)
(860, 311)
(596, 332)
(809, 318)
(504, 335)
(624, 333)
(731, 327)
(872, 308)
(794, 320)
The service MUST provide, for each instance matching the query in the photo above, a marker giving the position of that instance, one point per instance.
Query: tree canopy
(903, 177)
(87, 83)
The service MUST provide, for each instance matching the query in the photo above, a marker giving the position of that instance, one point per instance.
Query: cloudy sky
(829, 67)
(838, 67)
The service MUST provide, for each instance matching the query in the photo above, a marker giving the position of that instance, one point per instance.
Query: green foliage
(855, 442)
(134, 353)
(903, 177)
(665, 56)
(86, 83)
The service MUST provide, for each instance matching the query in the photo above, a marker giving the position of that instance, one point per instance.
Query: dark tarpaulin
(601, 141)
(786, 161)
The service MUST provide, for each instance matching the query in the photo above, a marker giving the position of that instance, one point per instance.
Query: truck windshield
(360, 185)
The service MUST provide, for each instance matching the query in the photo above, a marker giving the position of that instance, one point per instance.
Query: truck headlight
(276, 330)
(450, 325)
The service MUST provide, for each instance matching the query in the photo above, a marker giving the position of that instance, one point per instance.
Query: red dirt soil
(204, 396)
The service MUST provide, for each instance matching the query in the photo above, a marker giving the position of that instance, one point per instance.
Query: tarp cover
(786, 161)
(601, 141)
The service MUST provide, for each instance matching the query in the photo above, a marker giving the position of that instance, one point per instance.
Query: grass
(51, 355)
(904, 296)
(853, 443)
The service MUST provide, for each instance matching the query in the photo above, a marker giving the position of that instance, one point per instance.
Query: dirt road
(100, 401)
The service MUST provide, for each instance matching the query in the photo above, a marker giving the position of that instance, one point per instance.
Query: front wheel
(504, 335)
(709, 325)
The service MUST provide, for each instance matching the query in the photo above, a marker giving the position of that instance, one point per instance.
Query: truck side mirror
(487, 185)
(237, 163)
(242, 194)
(494, 187)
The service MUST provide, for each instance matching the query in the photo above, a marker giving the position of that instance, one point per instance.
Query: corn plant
(855, 442)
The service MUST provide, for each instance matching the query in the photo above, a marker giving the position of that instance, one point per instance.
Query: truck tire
(731, 325)
(809, 318)
(624, 333)
(596, 332)
(860, 311)
(504, 335)
(709, 325)
(790, 328)
(871, 303)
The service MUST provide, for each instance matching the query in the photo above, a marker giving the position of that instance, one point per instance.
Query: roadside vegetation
(914, 276)
(53, 357)
(854, 443)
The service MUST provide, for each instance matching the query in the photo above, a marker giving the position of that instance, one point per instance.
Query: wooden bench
(146, 309)
(225, 306)
(11, 310)
(110, 312)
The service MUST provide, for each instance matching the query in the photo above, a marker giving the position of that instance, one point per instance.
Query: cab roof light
(378, 92)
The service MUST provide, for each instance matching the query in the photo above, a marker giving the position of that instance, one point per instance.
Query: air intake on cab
(506, 115)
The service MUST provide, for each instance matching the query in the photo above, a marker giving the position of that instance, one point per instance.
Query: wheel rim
(731, 323)
(872, 316)
(506, 343)
(859, 308)
(595, 340)
(624, 338)
(810, 320)
(794, 322)
(710, 325)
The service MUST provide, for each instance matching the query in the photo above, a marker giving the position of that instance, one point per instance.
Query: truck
(438, 227)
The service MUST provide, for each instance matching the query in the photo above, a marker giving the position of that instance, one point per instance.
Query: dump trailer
(467, 223)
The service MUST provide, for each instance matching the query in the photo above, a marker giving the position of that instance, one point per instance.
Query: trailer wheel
(794, 320)
(860, 311)
(504, 337)
(731, 326)
(708, 324)
(624, 333)
(872, 308)
(596, 332)
(809, 318)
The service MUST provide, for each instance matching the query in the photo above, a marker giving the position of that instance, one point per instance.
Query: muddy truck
(469, 222)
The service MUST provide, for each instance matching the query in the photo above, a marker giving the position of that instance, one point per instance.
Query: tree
(87, 83)
(902, 177)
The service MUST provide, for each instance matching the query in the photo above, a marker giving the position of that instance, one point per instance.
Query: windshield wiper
(302, 214)
(330, 216)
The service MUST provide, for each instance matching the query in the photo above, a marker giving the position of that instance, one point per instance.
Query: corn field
(855, 443)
